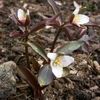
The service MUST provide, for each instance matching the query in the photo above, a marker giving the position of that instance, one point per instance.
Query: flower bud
(23, 17)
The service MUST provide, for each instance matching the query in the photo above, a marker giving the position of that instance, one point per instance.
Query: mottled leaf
(36, 47)
(45, 76)
(70, 47)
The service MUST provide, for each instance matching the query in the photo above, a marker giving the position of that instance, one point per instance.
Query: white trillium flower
(79, 19)
(22, 15)
(58, 62)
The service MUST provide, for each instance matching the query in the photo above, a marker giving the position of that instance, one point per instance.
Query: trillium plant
(55, 62)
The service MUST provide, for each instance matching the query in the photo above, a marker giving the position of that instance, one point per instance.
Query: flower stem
(55, 39)
(57, 35)
(36, 88)
(26, 48)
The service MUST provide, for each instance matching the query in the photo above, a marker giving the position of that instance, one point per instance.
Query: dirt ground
(85, 84)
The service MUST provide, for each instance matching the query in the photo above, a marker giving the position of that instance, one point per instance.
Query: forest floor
(85, 84)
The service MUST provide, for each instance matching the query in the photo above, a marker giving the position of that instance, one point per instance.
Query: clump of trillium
(58, 62)
(79, 19)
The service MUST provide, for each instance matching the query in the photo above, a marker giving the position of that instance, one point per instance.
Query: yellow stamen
(58, 60)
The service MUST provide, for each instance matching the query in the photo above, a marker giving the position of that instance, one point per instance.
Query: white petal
(76, 11)
(21, 14)
(76, 5)
(57, 71)
(77, 8)
(52, 56)
(67, 60)
(80, 19)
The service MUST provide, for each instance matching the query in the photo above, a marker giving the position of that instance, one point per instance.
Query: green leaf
(70, 47)
(36, 47)
(45, 76)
